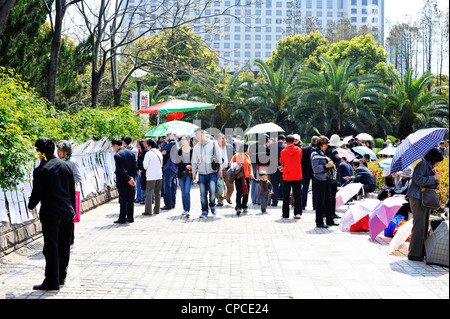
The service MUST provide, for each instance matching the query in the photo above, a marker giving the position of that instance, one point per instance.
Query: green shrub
(24, 117)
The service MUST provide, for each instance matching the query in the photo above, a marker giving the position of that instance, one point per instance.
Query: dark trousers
(126, 201)
(277, 181)
(333, 191)
(323, 204)
(419, 232)
(170, 188)
(296, 187)
(57, 237)
(305, 189)
(241, 198)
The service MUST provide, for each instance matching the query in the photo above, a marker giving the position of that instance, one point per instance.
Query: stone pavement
(252, 256)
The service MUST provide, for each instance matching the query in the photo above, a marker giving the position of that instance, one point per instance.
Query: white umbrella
(364, 137)
(264, 128)
(388, 151)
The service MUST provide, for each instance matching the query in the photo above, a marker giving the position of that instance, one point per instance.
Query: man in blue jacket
(125, 171)
(169, 170)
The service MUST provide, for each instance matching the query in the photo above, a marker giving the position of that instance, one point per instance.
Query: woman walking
(424, 176)
(184, 173)
(242, 181)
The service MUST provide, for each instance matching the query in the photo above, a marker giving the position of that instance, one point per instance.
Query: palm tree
(412, 106)
(338, 97)
(274, 97)
(227, 92)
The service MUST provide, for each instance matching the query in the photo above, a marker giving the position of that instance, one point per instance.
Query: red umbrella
(176, 105)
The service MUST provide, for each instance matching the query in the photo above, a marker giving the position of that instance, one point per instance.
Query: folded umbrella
(383, 214)
(415, 146)
(347, 192)
(365, 150)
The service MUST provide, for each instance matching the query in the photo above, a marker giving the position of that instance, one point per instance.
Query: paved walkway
(251, 256)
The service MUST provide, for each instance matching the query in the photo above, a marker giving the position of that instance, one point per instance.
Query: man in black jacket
(276, 178)
(125, 162)
(363, 176)
(307, 173)
(54, 187)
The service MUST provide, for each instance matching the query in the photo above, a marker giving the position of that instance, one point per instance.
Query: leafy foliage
(25, 116)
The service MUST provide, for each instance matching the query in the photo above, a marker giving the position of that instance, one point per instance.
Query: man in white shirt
(153, 165)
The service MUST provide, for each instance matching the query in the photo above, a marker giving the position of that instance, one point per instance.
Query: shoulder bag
(429, 198)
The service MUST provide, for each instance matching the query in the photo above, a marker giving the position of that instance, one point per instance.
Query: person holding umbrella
(424, 176)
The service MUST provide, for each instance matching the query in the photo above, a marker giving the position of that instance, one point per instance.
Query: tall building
(243, 30)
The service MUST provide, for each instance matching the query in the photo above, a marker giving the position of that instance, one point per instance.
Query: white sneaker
(298, 216)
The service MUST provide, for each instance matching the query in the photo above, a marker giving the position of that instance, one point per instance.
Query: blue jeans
(140, 195)
(170, 188)
(207, 182)
(185, 186)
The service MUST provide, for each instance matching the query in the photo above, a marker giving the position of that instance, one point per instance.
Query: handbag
(429, 198)
(215, 165)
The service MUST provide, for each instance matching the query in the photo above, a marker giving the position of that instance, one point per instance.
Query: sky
(398, 9)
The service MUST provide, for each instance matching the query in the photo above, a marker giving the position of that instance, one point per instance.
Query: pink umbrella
(344, 153)
(401, 236)
(357, 212)
(383, 214)
(347, 192)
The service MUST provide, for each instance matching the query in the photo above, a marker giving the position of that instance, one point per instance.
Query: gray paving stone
(250, 256)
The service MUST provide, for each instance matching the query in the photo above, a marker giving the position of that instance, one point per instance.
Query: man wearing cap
(290, 160)
(169, 171)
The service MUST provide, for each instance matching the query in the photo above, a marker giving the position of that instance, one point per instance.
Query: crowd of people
(264, 172)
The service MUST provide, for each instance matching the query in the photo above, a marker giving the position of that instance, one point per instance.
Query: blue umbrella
(415, 146)
(385, 163)
(365, 150)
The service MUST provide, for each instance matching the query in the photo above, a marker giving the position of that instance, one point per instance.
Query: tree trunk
(5, 9)
(54, 54)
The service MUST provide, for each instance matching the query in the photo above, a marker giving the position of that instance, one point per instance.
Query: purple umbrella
(383, 214)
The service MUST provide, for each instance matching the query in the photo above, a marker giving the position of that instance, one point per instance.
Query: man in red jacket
(290, 160)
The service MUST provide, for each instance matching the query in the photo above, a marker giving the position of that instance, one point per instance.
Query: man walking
(290, 159)
(125, 162)
(207, 162)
